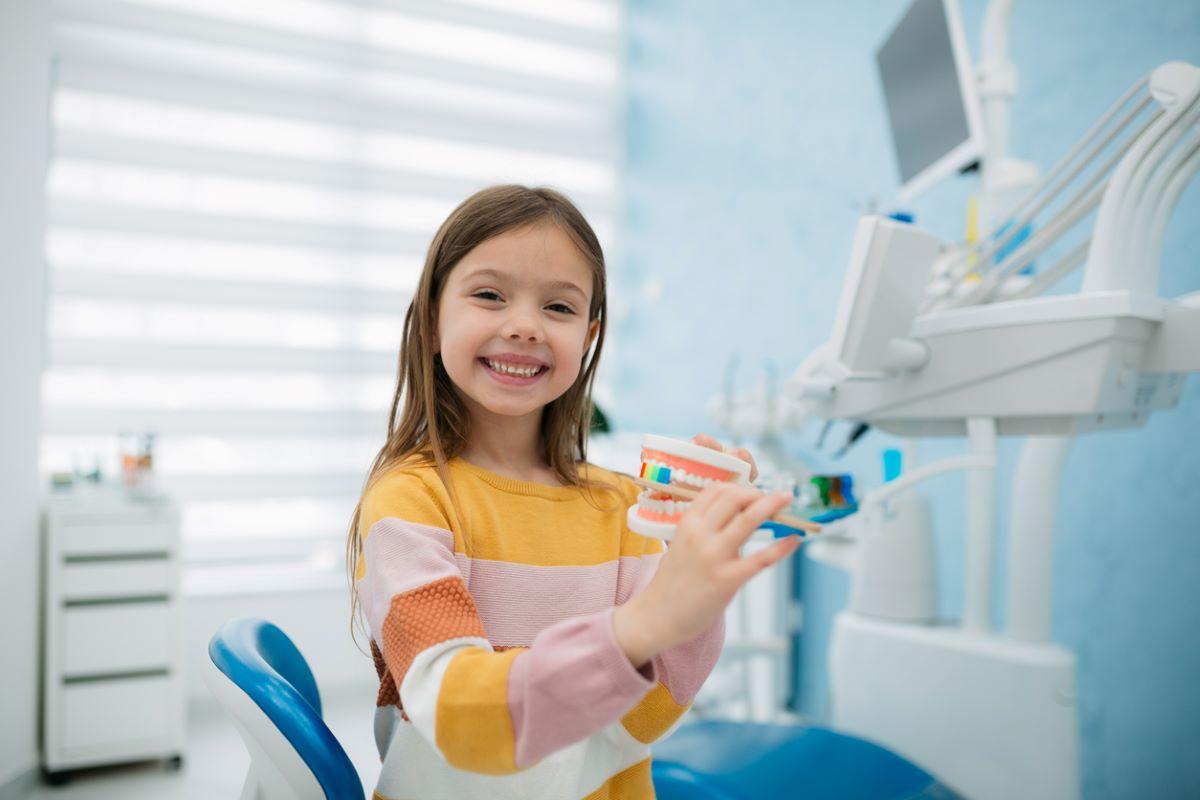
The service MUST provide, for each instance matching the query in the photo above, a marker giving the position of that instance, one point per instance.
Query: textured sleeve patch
(388, 694)
(653, 716)
(474, 725)
(425, 616)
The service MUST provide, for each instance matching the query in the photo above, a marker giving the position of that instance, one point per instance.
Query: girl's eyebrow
(560, 286)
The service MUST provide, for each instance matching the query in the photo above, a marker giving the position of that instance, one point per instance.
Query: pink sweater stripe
(548, 595)
(573, 681)
(635, 574)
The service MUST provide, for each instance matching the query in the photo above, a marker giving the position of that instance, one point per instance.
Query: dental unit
(970, 359)
(937, 339)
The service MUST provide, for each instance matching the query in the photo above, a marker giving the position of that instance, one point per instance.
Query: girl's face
(512, 324)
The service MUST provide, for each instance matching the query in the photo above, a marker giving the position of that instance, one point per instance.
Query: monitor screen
(928, 87)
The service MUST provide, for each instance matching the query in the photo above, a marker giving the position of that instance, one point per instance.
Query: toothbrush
(689, 494)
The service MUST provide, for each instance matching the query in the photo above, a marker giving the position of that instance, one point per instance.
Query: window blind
(241, 195)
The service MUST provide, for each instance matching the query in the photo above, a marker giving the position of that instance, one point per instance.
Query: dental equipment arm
(986, 248)
(1130, 187)
(1176, 86)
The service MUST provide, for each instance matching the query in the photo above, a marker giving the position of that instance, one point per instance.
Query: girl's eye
(486, 294)
(561, 308)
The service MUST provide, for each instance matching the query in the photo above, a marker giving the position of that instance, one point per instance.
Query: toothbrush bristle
(655, 473)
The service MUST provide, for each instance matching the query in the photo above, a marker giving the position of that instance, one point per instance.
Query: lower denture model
(683, 465)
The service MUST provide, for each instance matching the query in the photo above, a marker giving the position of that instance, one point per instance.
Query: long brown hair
(434, 424)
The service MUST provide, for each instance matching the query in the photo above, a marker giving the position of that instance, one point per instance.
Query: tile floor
(215, 762)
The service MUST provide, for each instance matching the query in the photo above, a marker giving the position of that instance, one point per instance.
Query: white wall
(24, 89)
(317, 620)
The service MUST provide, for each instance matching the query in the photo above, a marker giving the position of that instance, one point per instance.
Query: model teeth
(509, 369)
(681, 477)
(669, 507)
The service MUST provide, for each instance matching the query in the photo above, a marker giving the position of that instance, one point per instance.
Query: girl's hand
(704, 440)
(701, 571)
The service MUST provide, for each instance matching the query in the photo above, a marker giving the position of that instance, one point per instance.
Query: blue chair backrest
(262, 661)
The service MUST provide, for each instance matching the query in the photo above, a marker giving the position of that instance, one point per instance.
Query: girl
(528, 644)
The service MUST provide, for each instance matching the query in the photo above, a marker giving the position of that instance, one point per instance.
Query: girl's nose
(522, 326)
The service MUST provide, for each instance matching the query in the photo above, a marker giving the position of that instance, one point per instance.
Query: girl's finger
(751, 517)
(749, 566)
(707, 495)
(744, 455)
(704, 440)
(727, 503)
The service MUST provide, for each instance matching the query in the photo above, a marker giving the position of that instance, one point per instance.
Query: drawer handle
(116, 676)
(114, 601)
(150, 555)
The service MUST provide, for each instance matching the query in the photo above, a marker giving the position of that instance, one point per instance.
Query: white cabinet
(112, 647)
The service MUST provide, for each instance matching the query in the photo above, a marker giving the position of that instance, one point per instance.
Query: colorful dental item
(825, 498)
(655, 473)
(673, 472)
(828, 493)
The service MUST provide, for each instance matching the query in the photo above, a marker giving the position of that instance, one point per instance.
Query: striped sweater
(500, 675)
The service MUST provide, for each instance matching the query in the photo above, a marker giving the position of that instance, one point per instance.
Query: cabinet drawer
(102, 579)
(121, 637)
(109, 714)
(107, 540)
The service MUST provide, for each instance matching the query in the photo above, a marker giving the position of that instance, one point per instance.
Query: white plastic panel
(103, 580)
(108, 713)
(112, 539)
(117, 638)
(989, 716)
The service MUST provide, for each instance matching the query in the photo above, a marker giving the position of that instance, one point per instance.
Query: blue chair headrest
(262, 661)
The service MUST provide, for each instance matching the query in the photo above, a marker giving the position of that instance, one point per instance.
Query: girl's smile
(513, 369)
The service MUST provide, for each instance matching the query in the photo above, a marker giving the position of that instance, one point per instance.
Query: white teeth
(509, 369)
(681, 476)
(669, 507)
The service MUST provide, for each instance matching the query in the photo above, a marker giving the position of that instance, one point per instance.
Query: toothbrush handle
(690, 494)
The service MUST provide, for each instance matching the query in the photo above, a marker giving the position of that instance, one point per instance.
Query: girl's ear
(593, 329)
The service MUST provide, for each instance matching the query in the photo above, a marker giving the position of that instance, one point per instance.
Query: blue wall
(755, 138)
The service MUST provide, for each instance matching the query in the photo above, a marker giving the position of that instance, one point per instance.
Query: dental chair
(718, 760)
(265, 685)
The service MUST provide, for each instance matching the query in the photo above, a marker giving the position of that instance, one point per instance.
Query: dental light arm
(1113, 263)
(990, 244)
(1170, 198)
(1135, 187)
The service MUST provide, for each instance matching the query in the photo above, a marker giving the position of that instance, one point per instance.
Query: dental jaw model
(681, 464)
